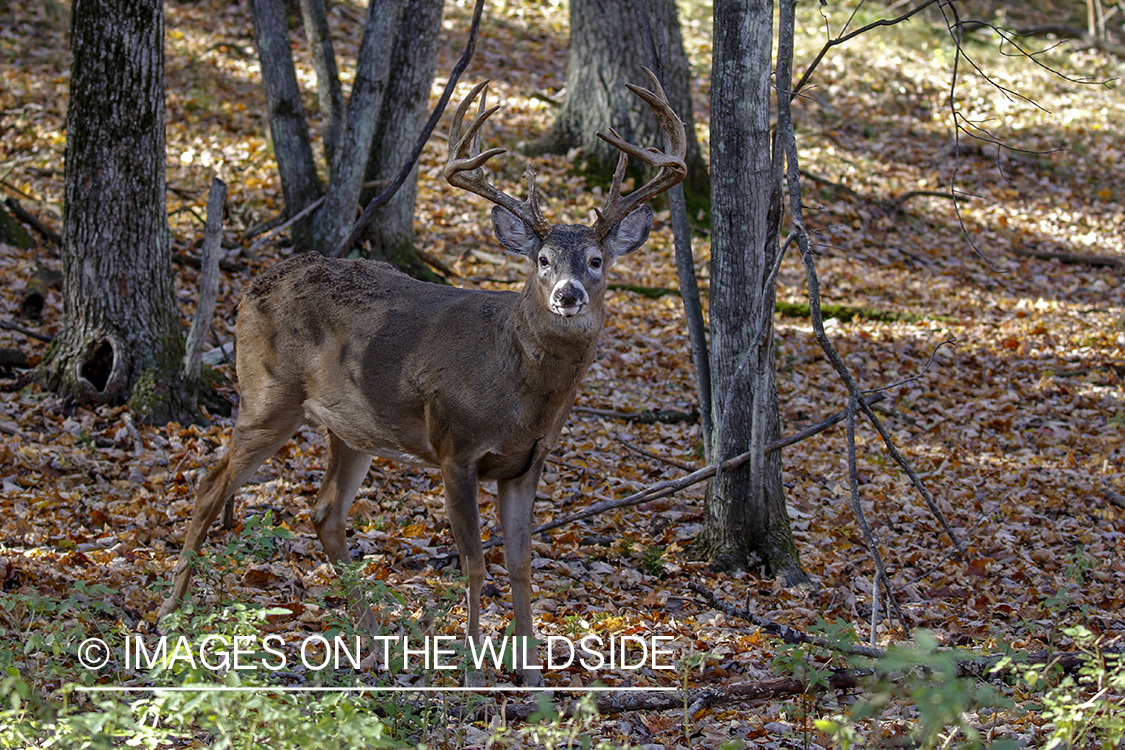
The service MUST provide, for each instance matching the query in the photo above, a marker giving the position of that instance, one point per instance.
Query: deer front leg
(347, 469)
(461, 489)
(517, 502)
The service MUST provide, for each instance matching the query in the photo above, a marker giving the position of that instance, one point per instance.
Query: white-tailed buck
(475, 383)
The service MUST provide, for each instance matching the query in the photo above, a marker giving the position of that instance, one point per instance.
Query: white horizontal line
(362, 689)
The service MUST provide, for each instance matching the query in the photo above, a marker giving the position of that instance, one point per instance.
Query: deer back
(423, 372)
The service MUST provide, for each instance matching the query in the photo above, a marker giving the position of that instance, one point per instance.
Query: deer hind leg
(516, 503)
(256, 437)
(347, 469)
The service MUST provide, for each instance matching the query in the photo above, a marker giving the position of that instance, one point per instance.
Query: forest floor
(1017, 428)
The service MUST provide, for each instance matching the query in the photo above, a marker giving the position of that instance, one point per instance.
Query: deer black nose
(567, 295)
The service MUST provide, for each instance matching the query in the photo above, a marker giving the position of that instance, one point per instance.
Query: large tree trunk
(121, 337)
(401, 118)
(289, 130)
(746, 519)
(607, 51)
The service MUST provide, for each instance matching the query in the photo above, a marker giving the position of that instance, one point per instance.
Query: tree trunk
(334, 219)
(746, 519)
(121, 336)
(289, 130)
(607, 51)
(330, 94)
(401, 118)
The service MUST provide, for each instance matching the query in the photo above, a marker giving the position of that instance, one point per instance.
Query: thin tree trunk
(330, 93)
(332, 222)
(121, 336)
(607, 51)
(289, 130)
(746, 519)
(401, 118)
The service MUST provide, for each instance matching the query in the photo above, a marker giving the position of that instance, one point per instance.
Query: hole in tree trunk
(98, 366)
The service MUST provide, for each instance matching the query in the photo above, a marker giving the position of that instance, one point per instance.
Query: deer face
(570, 264)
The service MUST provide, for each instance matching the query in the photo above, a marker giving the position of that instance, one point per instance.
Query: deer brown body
(477, 384)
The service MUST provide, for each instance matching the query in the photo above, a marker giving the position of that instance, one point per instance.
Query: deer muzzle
(569, 298)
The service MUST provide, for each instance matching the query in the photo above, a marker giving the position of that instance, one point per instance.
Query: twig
(869, 537)
(843, 38)
(784, 632)
(282, 227)
(262, 226)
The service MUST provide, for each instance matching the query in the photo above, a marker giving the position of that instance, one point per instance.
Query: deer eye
(595, 262)
(544, 261)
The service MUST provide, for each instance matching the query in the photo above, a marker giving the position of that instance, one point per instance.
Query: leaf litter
(1018, 429)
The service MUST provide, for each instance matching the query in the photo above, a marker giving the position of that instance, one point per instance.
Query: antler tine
(463, 168)
(670, 162)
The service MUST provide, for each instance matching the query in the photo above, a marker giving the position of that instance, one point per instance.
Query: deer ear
(630, 233)
(513, 233)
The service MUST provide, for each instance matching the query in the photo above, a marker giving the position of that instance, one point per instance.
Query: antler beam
(463, 168)
(670, 162)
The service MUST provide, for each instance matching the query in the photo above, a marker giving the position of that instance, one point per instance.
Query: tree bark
(401, 118)
(746, 519)
(289, 130)
(607, 51)
(333, 220)
(330, 93)
(121, 336)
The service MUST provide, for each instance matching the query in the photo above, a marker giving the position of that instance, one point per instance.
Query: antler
(463, 169)
(671, 163)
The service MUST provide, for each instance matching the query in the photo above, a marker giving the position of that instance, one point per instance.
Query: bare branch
(845, 37)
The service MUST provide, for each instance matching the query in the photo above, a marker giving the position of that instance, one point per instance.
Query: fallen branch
(663, 416)
(33, 221)
(10, 326)
(669, 487)
(224, 263)
(638, 449)
(1101, 261)
(827, 680)
(784, 632)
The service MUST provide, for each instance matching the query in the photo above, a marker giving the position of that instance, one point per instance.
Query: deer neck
(555, 347)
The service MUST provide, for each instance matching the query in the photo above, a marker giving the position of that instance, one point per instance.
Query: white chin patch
(568, 312)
